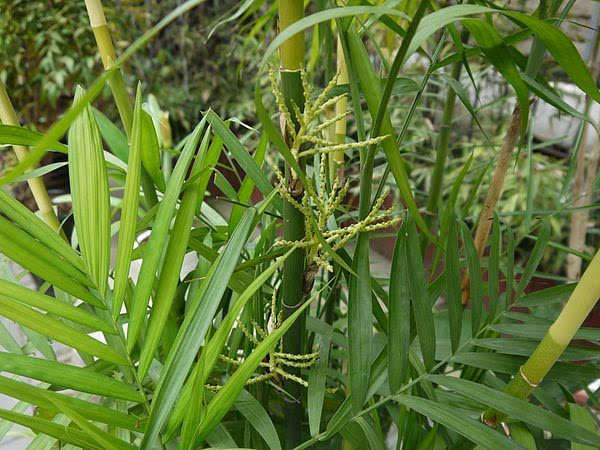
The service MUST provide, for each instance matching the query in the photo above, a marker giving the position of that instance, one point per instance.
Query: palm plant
(291, 339)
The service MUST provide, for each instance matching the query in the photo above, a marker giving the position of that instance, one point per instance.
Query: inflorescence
(309, 133)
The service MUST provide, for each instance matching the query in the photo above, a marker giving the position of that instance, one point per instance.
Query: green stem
(293, 288)
(559, 335)
(8, 116)
(442, 147)
(116, 83)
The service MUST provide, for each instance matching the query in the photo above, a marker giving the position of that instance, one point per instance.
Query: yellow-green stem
(116, 82)
(559, 335)
(8, 116)
(340, 108)
(107, 53)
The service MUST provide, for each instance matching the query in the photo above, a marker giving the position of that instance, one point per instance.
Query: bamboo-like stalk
(293, 287)
(493, 195)
(107, 53)
(8, 116)
(484, 225)
(534, 62)
(579, 305)
(116, 82)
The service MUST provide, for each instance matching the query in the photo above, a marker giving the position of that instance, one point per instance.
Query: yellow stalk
(8, 116)
(107, 53)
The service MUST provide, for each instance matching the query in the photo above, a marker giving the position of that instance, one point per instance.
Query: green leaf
(360, 324)
(103, 438)
(151, 151)
(40, 171)
(38, 396)
(68, 377)
(240, 154)
(221, 403)
(57, 130)
(398, 314)
(158, 237)
(510, 364)
(61, 432)
(455, 309)
(449, 209)
(553, 99)
(35, 257)
(476, 285)
(461, 93)
(317, 380)
(455, 419)
(15, 135)
(499, 55)
(57, 330)
(494, 268)
(438, 19)
(563, 51)
(518, 409)
(211, 352)
(375, 442)
(324, 16)
(554, 294)
(173, 260)
(419, 296)
(256, 415)
(193, 330)
(23, 217)
(525, 347)
(371, 86)
(89, 193)
(114, 137)
(537, 331)
(129, 210)
(581, 416)
(534, 258)
(519, 433)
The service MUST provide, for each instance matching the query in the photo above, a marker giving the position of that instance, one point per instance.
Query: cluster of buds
(309, 133)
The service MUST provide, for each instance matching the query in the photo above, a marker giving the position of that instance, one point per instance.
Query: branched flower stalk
(559, 335)
(320, 202)
(8, 116)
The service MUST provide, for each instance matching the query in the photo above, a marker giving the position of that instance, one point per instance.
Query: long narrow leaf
(156, 242)
(129, 210)
(70, 377)
(89, 192)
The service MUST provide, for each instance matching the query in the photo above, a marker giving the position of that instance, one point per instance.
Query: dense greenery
(256, 317)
